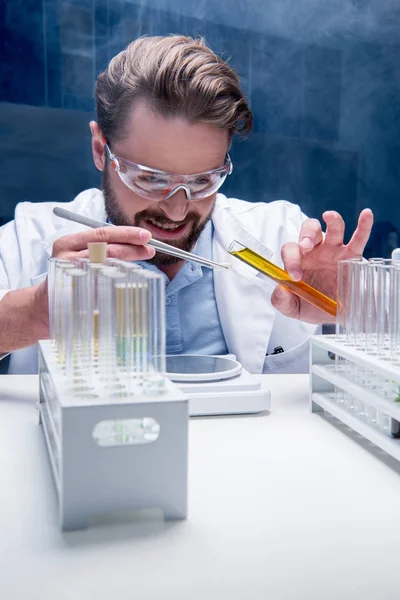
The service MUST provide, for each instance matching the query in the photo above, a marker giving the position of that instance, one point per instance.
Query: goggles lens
(156, 185)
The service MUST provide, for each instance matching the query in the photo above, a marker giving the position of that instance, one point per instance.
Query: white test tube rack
(326, 380)
(116, 446)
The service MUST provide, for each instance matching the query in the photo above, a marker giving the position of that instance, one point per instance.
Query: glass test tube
(370, 309)
(344, 321)
(155, 380)
(51, 272)
(60, 309)
(159, 327)
(382, 305)
(343, 301)
(350, 318)
(109, 302)
(129, 323)
(53, 276)
(97, 257)
(358, 267)
(138, 324)
(341, 320)
(282, 277)
(76, 306)
(394, 313)
(126, 324)
(93, 271)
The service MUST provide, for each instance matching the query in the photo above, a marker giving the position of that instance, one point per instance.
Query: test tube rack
(116, 429)
(111, 451)
(331, 364)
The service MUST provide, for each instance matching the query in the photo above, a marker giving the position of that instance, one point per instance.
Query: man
(167, 108)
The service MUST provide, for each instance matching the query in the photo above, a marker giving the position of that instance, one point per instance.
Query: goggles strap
(114, 160)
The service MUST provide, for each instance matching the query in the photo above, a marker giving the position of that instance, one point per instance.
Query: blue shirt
(193, 325)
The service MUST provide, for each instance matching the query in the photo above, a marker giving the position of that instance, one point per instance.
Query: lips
(164, 230)
(167, 226)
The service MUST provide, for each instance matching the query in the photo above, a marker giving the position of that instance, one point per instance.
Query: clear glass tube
(282, 277)
(370, 309)
(53, 280)
(383, 272)
(358, 302)
(93, 270)
(344, 324)
(394, 313)
(143, 306)
(60, 308)
(51, 271)
(110, 317)
(156, 333)
(76, 325)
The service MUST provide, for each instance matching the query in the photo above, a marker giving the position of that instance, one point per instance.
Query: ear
(98, 143)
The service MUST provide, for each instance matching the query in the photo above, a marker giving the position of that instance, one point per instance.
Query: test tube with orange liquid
(282, 277)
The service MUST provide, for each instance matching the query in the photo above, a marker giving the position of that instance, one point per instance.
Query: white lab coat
(251, 326)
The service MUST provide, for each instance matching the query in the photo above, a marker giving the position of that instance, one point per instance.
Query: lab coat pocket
(295, 360)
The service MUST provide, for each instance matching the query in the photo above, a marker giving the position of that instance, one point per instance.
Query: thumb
(286, 302)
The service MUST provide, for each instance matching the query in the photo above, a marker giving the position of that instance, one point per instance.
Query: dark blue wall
(323, 79)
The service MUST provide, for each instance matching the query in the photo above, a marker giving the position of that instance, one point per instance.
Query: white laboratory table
(281, 506)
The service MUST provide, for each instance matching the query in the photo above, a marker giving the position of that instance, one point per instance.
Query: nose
(175, 207)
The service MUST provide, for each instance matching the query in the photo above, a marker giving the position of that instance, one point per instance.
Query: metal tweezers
(159, 246)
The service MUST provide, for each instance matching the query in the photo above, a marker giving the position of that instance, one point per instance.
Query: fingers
(310, 234)
(286, 302)
(334, 228)
(110, 235)
(292, 259)
(361, 235)
(124, 252)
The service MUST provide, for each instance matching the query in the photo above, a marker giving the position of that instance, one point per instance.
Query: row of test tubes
(107, 323)
(368, 308)
(368, 322)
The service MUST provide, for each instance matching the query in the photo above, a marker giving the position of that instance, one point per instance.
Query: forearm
(23, 318)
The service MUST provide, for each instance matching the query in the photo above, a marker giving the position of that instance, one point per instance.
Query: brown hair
(178, 75)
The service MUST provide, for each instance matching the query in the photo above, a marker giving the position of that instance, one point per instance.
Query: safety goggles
(160, 185)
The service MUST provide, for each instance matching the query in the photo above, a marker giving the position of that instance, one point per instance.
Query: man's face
(172, 145)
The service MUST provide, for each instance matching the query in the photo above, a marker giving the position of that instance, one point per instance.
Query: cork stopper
(97, 252)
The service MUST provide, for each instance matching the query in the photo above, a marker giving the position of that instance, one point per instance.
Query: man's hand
(125, 243)
(315, 260)
(23, 318)
(24, 313)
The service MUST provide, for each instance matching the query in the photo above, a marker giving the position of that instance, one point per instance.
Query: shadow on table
(130, 526)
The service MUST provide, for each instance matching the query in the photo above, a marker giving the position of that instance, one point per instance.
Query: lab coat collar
(243, 297)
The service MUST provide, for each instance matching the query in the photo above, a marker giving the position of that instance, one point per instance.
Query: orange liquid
(301, 289)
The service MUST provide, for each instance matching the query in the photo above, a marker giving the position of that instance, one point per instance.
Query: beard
(117, 217)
